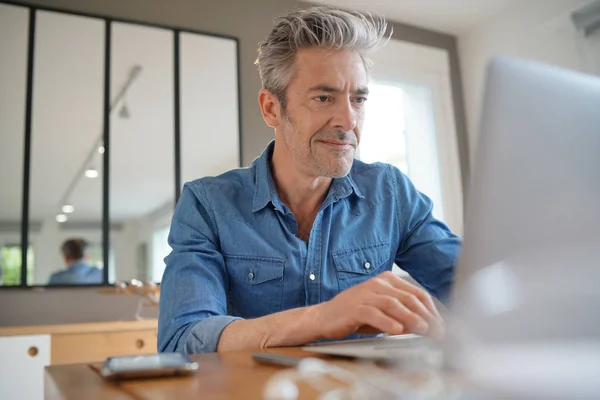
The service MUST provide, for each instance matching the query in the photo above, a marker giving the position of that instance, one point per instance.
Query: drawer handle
(33, 351)
(139, 343)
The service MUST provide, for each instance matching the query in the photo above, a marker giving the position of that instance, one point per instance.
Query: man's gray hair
(314, 27)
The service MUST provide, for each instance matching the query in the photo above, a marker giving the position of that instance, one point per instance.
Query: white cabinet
(25, 351)
(22, 363)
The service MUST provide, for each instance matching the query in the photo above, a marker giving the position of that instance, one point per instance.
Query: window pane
(399, 129)
(383, 136)
(208, 78)
(13, 76)
(142, 145)
(421, 144)
(10, 261)
(160, 249)
(66, 164)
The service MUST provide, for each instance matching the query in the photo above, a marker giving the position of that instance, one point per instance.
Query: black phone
(276, 359)
(148, 366)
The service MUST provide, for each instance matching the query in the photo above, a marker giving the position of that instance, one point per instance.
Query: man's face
(325, 111)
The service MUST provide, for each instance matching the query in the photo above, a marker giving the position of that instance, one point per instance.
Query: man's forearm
(287, 328)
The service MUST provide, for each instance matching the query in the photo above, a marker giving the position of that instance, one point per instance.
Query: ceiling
(448, 16)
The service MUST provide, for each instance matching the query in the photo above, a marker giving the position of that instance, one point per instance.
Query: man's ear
(269, 107)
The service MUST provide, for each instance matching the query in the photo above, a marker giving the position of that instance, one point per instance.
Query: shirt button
(251, 274)
(367, 265)
(312, 276)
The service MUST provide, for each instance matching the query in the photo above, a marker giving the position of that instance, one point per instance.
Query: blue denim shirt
(78, 273)
(236, 254)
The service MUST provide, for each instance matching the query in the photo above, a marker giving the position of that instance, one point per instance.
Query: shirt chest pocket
(357, 265)
(255, 285)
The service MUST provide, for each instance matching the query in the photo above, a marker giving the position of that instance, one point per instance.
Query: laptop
(392, 348)
(529, 273)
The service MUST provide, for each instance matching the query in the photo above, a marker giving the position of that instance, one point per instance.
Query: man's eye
(360, 100)
(323, 99)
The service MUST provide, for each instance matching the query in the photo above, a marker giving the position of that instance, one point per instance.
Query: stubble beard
(316, 157)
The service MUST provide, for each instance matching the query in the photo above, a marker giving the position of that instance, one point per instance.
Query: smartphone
(148, 366)
(276, 359)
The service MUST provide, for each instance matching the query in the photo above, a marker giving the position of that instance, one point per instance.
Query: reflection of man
(299, 247)
(78, 271)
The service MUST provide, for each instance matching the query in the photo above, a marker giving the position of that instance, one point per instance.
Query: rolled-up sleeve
(428, 250)
(193, 302)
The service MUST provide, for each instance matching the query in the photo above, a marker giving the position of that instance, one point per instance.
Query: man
(78, 271)
(299, 247)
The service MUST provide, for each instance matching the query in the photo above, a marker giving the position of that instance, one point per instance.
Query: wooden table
(221, 376)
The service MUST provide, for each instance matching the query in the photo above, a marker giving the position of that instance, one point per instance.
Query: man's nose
(345, 116)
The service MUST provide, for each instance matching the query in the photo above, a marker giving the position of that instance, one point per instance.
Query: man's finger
(394, 308)
(406, 286)
(415, 304)
(368, 330)
(380, 321)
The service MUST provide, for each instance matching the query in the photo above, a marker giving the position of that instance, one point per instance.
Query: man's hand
(383, 304)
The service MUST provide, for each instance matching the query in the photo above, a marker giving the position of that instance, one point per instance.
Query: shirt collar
(343, 187)
(78, 265)
(265, 191)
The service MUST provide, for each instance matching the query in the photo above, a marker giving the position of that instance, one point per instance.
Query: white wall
(535, 29)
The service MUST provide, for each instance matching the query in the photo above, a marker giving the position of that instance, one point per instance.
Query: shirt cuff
(204, 336)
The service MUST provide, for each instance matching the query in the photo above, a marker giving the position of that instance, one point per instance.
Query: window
(410, 124)
(97, 260)
(384, 136)
(399, 129)
(155, 97)
(160, 249)
(10, 265)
